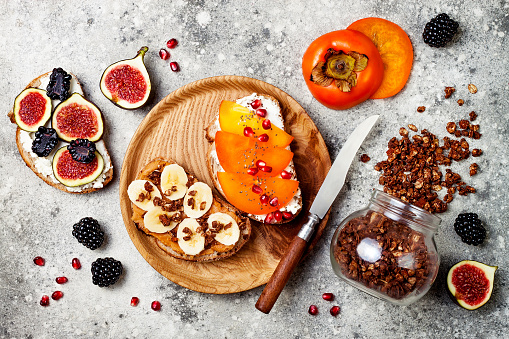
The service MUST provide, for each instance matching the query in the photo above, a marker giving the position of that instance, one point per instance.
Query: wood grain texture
(174, 129)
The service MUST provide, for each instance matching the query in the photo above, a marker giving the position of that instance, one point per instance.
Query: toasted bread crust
(165, 242)
(30, 161)
(214, 167)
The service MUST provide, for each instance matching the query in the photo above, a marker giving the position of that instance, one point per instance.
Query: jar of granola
(387, 249)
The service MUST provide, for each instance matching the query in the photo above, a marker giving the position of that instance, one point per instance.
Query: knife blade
(326, 195)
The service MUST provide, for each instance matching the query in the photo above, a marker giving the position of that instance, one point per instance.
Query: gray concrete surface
(265, 40)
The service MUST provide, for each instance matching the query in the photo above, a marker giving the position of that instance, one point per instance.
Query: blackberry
(88, 232)
(59, 84)
(469, 228)
(45, 141)
(82, 150)
(106, 271)
(440, 30)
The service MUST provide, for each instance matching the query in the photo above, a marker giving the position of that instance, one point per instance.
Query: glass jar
(387, 249)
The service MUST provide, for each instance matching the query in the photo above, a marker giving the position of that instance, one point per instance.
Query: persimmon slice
(237, 154)
(238, 190)
(395, 49)
(234, 118)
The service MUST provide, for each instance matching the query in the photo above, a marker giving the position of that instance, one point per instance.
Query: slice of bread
(41, 166)
(168, 242)
(276, 118)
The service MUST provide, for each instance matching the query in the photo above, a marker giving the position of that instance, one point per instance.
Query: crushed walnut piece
(155, 177)
(476, 152)
(148, 187)
(203, 204)
(472, 116)
(142, 197)
(472, 88)
(365, 158)
(473, 169)
(165, 220)
(421, 109)
(449, 91)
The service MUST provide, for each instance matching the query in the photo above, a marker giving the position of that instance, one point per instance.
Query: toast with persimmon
(43, 164)
(187, 219)
(250, 159)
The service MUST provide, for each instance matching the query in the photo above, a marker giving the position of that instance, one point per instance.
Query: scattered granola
(473, 169)
(461, 102)
(421, 109)
(472, 88)
(472, 116)
(411, 171)
(449, 91)
(476, 152)
(412, 127)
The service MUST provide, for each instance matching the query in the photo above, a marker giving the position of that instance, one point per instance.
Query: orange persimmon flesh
(238, 191)
(234, 118)
(237, 154)
(395, 49)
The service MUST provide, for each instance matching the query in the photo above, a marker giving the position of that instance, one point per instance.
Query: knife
(326, 195)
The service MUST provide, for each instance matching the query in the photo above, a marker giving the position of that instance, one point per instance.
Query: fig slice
(72, 173)
(76, 118)
(32, 108)
(127, 83)
(471, 283)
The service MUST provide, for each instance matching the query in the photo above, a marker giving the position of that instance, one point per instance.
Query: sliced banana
(174, 182)
(195, 242)
(198, 200)
(155, 220)
(139, 195)
(229, 233)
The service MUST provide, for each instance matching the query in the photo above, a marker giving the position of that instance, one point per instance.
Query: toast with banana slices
(250, 159)
(187, 219)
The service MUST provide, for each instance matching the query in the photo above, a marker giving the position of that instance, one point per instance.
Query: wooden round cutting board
(174, 129)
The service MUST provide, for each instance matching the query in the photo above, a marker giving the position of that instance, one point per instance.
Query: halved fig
(77, 118)
(32, 108)
(127, 83)
(73, 173)
(471, 283)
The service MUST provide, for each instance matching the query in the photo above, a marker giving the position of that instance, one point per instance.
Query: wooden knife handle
(281, 275)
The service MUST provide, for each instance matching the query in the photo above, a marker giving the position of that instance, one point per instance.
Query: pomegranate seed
(156, 305)
(266, 169)
(44, 301)
(61, 280)
(256, 189)
(174, 66)
(328, 296)
(256, 103)
(264, 199)
(164, 54)
(286, 175)
(76, 263)
(287, 215)
(252, 171)
(266, 124)
(261, 112)
(57, 295)
(274, 202)
(278, 216)
(172, 43)
(269, 218)
(264, 137)
(248, 132)
(313, 310)
(334, 311)
(260, 163)
(39, 261)
(135, 301)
